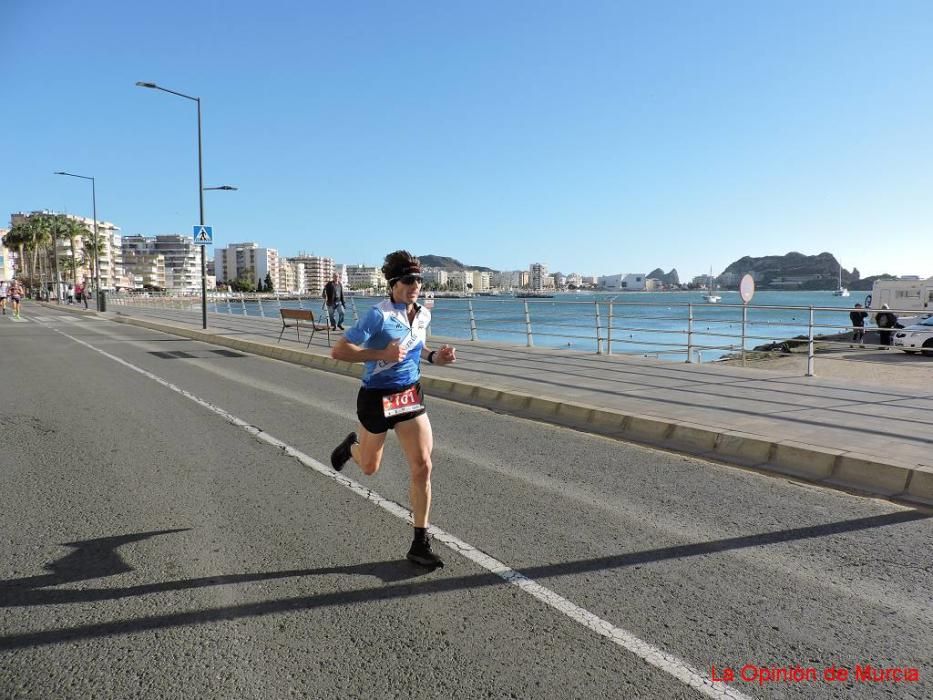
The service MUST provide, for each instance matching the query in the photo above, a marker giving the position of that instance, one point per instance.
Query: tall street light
(228, 188)
(153, 86)
(96, 239)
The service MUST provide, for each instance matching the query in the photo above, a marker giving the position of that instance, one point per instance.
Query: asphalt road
(153, 548)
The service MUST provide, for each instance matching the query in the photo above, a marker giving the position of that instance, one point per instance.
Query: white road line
(655, 656)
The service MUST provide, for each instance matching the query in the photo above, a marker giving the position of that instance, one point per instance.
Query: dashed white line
(670, 664)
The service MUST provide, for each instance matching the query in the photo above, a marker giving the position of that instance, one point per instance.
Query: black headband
(409, 269)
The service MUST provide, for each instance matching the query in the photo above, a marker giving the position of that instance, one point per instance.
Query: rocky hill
(445, 263)
(669, 278)
(791, 271)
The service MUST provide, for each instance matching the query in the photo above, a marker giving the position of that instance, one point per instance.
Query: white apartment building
(144, 270)
(365, 277)
(180, 269)
(287, 281)
(247, 259)
(111, 253)
(511, 279)
(537, 276)
(435, 275)
(461, 280)
(7, 258)
(315, 273)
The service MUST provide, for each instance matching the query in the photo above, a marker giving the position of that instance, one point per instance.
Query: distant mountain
(449, 263)
(791, 271)
(670, 278)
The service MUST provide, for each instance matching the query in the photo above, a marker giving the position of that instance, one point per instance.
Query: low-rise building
(633, 282)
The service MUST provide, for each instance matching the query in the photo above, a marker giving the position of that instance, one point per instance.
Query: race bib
(407, 401)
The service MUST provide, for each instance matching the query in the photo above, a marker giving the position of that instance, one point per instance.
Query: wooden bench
(300, 315)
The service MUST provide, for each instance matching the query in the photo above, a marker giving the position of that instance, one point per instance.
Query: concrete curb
(828, 467)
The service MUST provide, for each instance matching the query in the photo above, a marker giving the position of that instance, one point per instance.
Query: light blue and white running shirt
(382, 324)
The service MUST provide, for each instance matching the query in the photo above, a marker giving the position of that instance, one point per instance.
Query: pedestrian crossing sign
(203, 235)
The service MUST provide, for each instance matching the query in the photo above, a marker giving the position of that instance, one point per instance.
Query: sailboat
(840, 290)
(711, 297)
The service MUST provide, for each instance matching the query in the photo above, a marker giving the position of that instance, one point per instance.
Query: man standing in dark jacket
(858, 316)
(333, 298)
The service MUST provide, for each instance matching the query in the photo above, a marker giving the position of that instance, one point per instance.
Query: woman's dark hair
(399, 264)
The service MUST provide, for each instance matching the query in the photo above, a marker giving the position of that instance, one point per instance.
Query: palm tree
(29, 236)
(74, 230)
(19, 236)
(92, 251)
(58, 228)
(40, 228)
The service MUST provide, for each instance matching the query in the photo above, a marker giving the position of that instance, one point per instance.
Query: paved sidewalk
(864, 435)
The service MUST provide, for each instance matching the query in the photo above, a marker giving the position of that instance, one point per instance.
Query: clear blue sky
(597, 137)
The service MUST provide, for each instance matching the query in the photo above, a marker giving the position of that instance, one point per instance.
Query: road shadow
(400, 579)
(98, 558)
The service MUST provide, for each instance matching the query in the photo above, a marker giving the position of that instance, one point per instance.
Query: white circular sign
(429, 300)
(747, 288)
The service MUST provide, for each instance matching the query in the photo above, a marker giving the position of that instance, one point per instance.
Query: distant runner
(390, 339)
(4, 291)
(16, 296)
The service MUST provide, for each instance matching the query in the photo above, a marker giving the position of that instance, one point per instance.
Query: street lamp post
(153, 86)
(96, 239)
(228, 188)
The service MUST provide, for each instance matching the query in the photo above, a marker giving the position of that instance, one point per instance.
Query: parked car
(916, 338)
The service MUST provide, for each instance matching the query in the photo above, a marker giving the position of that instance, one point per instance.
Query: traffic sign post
(203, 235)
(747, 291)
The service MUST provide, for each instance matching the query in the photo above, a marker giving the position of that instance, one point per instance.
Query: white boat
(711, 297)
(840, 290)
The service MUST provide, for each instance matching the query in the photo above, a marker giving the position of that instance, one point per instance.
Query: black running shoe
(340, 326)
(421, 554)
(341, 453)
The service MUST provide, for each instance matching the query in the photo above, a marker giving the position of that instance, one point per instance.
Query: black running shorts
(380, 410)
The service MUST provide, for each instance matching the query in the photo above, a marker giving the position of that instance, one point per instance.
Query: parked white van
(902, 295)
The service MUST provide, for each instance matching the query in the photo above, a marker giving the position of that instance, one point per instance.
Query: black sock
(421, 534)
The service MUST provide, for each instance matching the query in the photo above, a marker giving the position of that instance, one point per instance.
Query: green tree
(60, 227)
(42, 236)
(88, 251)
(269, 287)
(30, 236)
(74, 230)
(243, 282)
(19, 237)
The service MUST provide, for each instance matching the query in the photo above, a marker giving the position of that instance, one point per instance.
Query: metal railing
(685, 331)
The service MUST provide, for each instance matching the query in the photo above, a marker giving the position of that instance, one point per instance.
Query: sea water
(646, 323)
